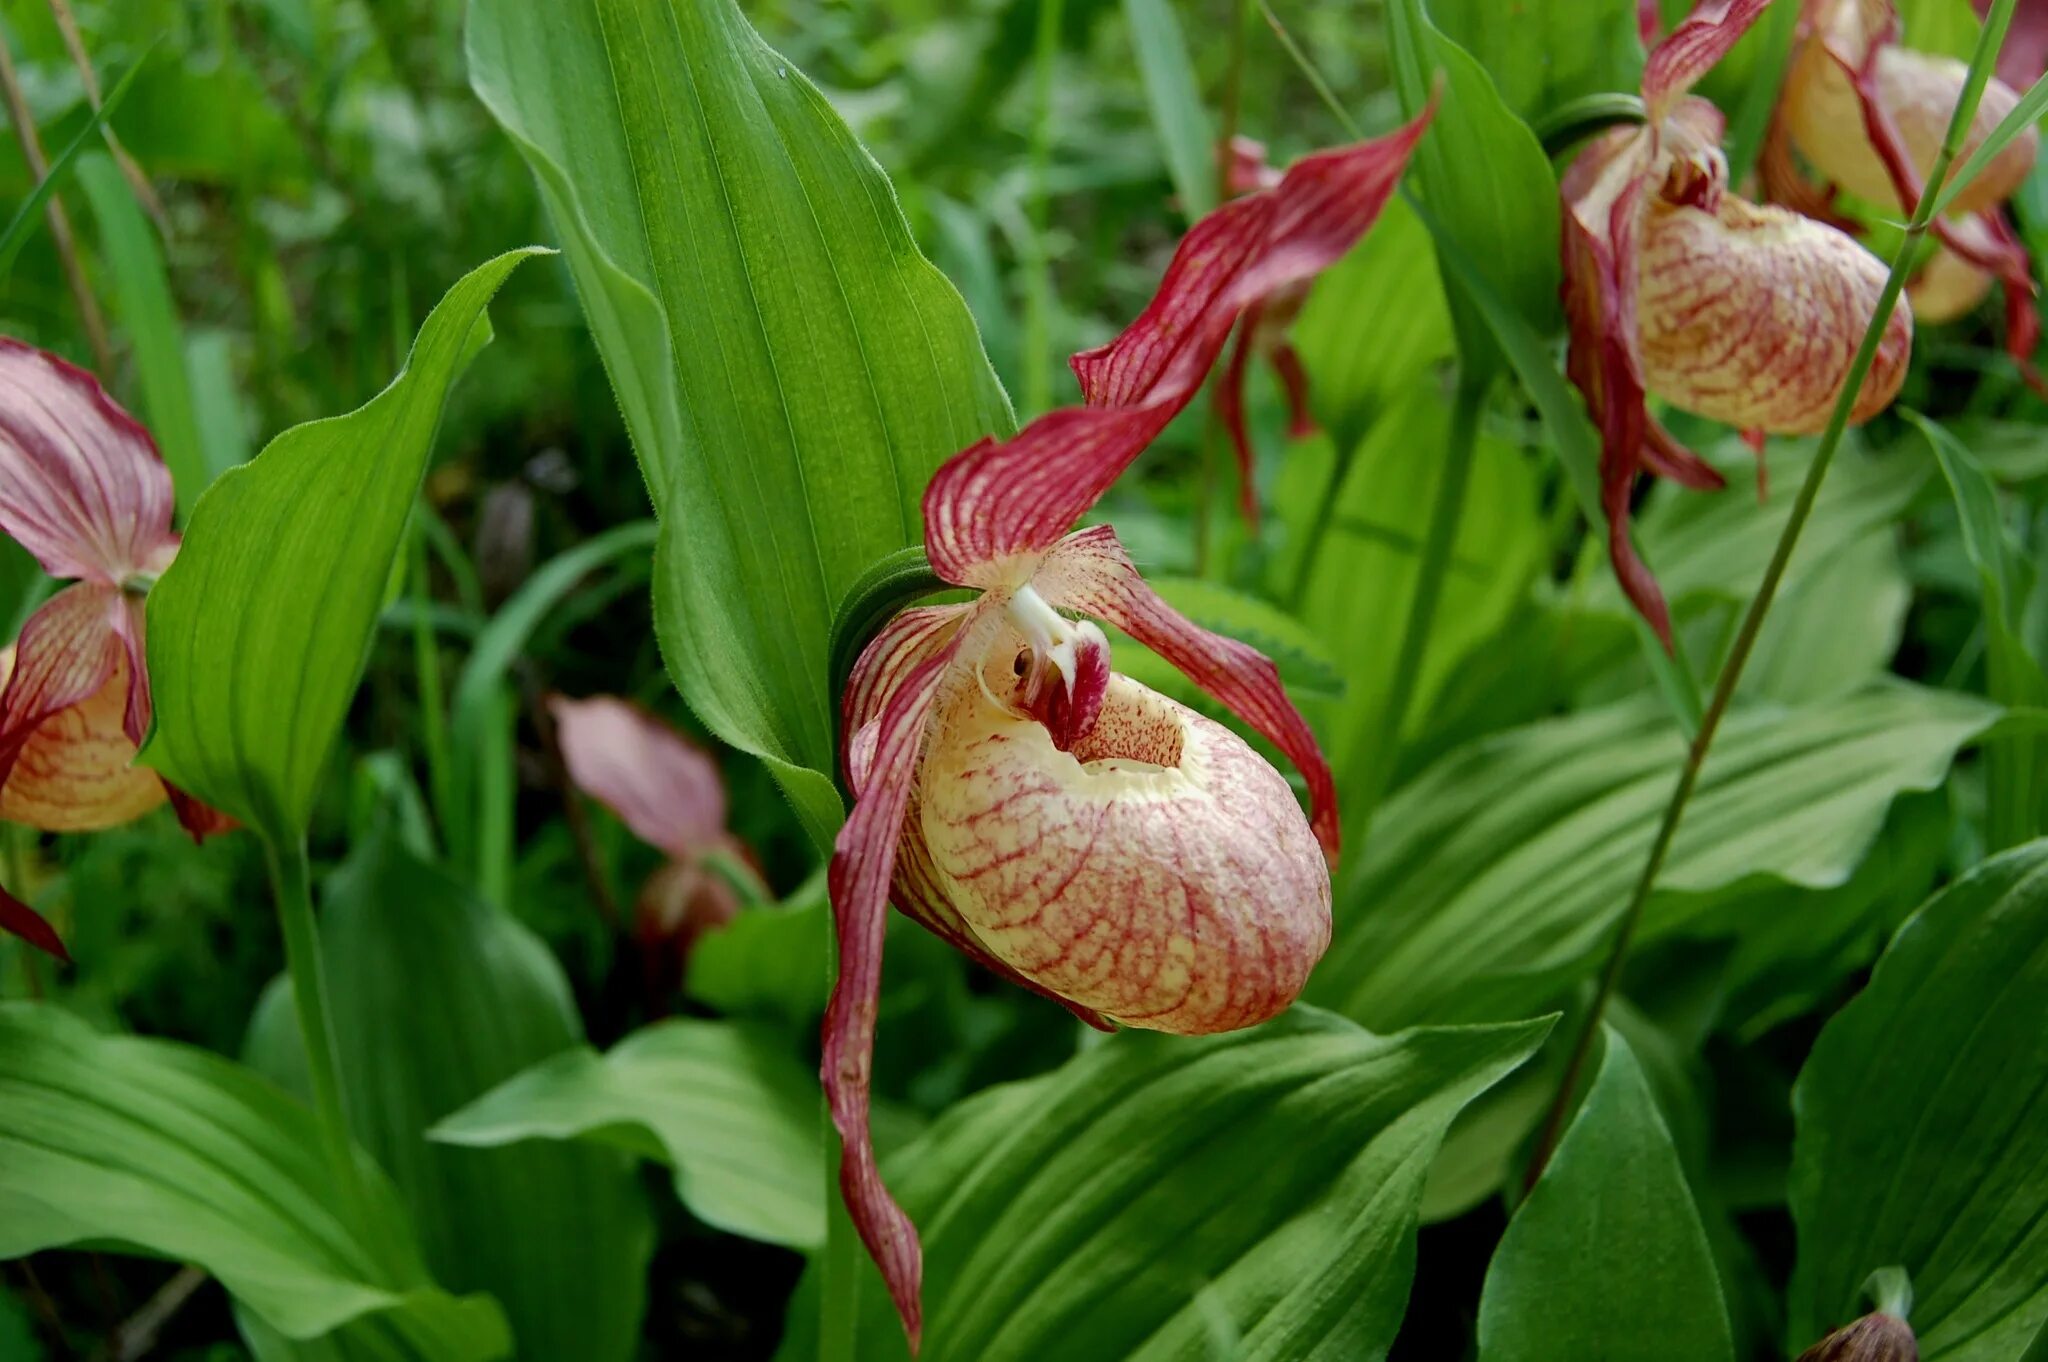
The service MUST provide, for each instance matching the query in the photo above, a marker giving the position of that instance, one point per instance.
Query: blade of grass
(144, 306)
(19, 225)
(1752, 621)
(1175, 101)
(2023, 116)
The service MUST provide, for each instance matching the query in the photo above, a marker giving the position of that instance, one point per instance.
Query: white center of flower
(1055, 641)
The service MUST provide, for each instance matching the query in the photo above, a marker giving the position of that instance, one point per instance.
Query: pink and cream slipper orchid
(1674, 285)
(1867, 115)
(1262, 332)
(1072, 830)
(83, 489)
(669, 792)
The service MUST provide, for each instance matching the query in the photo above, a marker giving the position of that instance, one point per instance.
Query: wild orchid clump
(1866, 115)
(1071, 829)
(1677, 286)
(83, 489)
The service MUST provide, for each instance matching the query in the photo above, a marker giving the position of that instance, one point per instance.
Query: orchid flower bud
(1876, 1337)
(1070, 829)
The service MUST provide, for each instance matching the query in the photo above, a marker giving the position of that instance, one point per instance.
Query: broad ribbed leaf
(259, 631)
(1493, 879)
(1715, 545)
(1360, 586)
(1361, 371)
(791, 369)
(1922, 1125)
(1607, 1257)
(438, 997)
(726, 1106)
(169, 1151)
(1159, 1192)
(1483, 174)
(1544, 53)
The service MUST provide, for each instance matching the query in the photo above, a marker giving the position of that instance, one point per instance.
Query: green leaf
(1543, 54)
(1297, 649)
(724, 1105)
(1835, 626)
(1158, 1192)
(770, 962)
(1715, 545)
(1174, 98)
(1360, 371)
(478, 816)
(30, 209)
(1571, 435)
(1607, 1257)
(2017, 768)
(438, 998)
(1493, 879)
(142, 297)
(218, 407)
(259, 631)
(2026, 114)
(790, 368)
(166, 1150)
(1484, 176)
(1920, 1139)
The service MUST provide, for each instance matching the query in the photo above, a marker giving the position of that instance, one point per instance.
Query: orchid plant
(1675, 285)
(1149, 1077)
(82, 488)
(1071, 829)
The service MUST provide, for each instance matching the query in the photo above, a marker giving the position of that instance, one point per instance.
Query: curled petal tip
(25, 922)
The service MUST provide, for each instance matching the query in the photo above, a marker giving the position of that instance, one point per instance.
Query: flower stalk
(1759, 607)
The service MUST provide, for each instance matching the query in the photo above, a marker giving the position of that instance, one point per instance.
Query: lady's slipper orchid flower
(1673, 285)
(1868, 116)
(669, 792)
(1263, 331)
(83, 489)
(1064, 825)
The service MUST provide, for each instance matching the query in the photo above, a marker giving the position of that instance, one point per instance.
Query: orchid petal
(1091, 573)
(1691, 49)
(1230, 411)
(82, 486)
(66, 756)
(25, 922)
(664, 787)
(2025, 54)
(996, 504)
(863, 864)
(1286, 361)
(1752, 315)
(918, 894)
(893, 653)
(1161, 873)
(1870, 115)
(200, 821)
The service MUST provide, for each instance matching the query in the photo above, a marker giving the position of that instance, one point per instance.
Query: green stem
(1430, 573)
(1038, 300)
(1767, 590)
(433, 695)
(291, 881)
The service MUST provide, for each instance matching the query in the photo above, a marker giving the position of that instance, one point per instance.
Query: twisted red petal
(998, 502)
(82, 486)
(1091, 573)
(664, 787)
(67, 652)
(2025, 54)
(25, 922)
(201, 821)
(901, 644)
(863, 864)
(1691, 49)
(1230, 411)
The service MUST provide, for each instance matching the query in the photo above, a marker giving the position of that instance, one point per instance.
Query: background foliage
(559, 1142)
